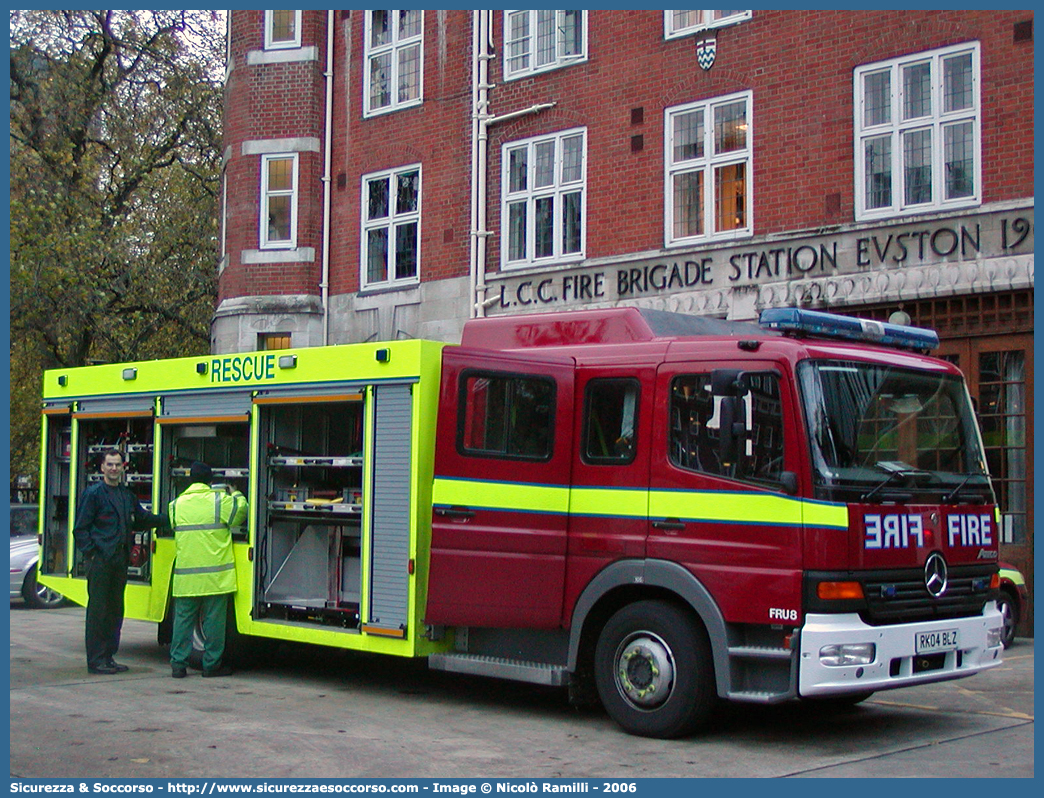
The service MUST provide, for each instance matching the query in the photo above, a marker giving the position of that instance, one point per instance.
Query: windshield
(871, 424)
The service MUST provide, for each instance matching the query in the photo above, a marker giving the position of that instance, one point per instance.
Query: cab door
(609, 512)
(732, 524)
(501, 490)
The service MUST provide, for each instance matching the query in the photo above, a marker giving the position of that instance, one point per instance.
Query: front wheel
(653, 670)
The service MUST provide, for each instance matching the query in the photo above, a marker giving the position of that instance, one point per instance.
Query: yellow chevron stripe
(622, 502)
(826, 515)
(714, 506)
(516, 496)
(732, 507)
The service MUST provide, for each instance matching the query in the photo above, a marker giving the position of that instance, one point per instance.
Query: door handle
(672, 524)
(455, 512)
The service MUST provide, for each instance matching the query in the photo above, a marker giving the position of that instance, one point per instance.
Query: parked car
(1012, 600)
(25, 552)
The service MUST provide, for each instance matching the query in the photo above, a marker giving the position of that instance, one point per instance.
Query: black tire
(653, 670)
(38, 596)
(240, 650)
(1009, 611)
(195, 658)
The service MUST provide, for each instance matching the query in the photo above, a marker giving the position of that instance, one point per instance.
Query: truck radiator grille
(900, 596)
(906, 599)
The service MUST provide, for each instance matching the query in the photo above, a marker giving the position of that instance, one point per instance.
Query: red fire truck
(656, 509)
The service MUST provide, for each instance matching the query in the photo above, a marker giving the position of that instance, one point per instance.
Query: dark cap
(201, 472)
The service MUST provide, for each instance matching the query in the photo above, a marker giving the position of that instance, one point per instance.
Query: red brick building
(391, 173)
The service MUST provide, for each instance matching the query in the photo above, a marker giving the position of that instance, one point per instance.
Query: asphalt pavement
(310, 712)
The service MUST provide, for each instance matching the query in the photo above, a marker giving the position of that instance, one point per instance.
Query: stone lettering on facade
(855, 252)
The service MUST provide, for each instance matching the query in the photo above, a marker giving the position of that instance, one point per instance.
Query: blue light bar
(831, 325)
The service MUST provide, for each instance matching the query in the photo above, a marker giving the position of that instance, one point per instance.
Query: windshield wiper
(895, 470)
(974, 498)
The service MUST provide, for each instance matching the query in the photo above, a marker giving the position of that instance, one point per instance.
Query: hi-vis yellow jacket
(202, 517)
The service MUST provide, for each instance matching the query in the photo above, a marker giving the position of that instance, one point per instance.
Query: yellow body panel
(325, 365)
(335, 373)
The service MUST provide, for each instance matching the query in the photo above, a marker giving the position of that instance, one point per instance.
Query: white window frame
(561, 58)
(390, 222)
(291, 243)
(935, 122)
(705, 21)
(532, 194)
(707, 163)
(394, 50)
(288, 44)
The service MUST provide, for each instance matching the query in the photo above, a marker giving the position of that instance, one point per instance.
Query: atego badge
(706, 49)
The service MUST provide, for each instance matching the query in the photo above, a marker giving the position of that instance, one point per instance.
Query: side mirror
(730, 386)
(728, 382)
(732, 429)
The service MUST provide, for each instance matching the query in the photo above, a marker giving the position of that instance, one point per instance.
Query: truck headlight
(993, 637)
(842, 654)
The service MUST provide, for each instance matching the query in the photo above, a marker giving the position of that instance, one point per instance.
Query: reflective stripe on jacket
(201, 517)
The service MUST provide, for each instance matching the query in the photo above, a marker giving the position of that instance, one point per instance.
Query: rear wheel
(195, 659)
(240, 649)
(653, 670)
(39, 596)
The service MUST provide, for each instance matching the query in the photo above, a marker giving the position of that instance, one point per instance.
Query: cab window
(506, 415)
(610, 421)
(695, 441)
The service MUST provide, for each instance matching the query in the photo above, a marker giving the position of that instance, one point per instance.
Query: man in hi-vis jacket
(204, 568)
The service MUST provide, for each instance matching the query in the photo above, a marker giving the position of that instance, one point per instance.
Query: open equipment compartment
(132, 435)
(54, 493)
(322, 443)
(312, 488)
(223, 443)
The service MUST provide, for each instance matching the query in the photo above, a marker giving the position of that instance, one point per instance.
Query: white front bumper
(894, 664)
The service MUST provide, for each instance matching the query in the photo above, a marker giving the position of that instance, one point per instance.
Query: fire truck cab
(677, 508)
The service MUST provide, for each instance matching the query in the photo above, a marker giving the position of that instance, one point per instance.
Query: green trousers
(211, 612)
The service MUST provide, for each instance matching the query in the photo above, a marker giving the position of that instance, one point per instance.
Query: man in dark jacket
(107, 515)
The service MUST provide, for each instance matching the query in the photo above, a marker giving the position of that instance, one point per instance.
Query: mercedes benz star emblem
(935, 574)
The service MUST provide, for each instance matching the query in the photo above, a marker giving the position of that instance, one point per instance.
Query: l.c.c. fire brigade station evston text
(882, 248)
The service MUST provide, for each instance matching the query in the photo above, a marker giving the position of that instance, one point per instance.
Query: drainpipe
(479, 106)
(481, 122)
(482, 230)
(324, 285)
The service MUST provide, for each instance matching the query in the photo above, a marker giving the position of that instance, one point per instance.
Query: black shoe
(102, 669)
(178, 672)
(119, 668)
(223, 670)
